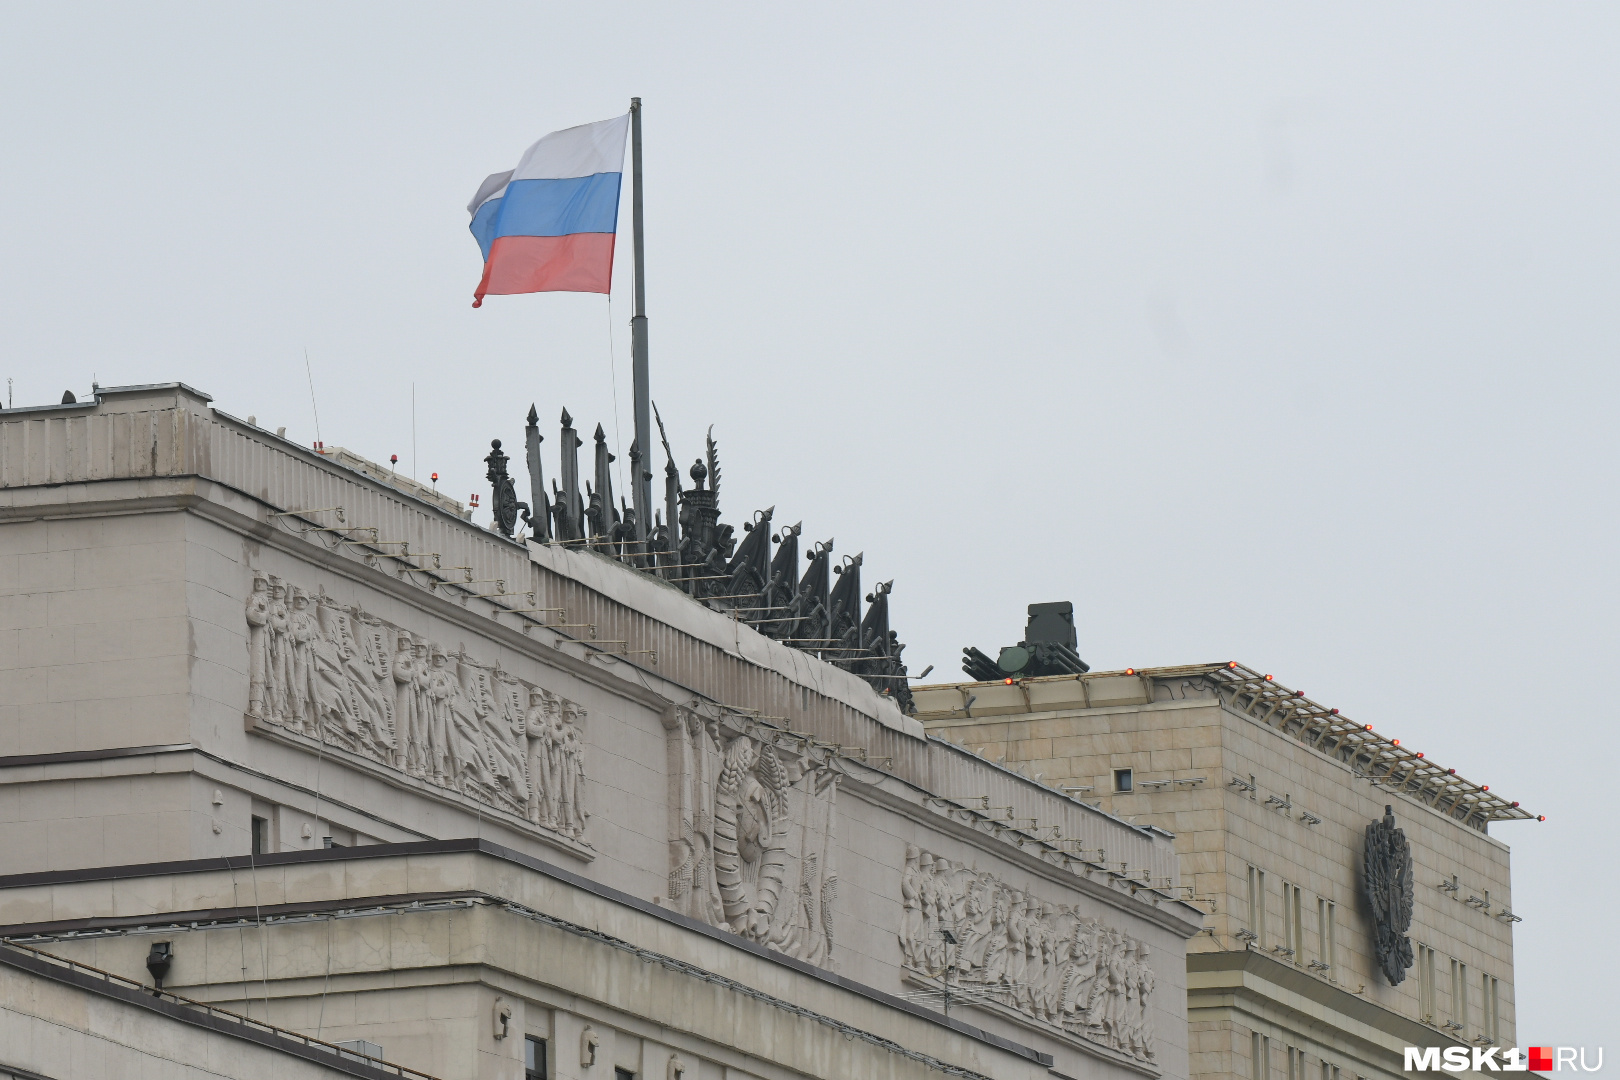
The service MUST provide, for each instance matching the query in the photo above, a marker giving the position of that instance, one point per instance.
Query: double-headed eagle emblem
(1388, 881)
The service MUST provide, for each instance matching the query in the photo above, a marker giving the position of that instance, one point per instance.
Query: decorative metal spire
(688, 545)
(539, 508)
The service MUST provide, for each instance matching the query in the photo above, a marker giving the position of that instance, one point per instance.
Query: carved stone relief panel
(967, 931)
(335, 674)
(753, 834)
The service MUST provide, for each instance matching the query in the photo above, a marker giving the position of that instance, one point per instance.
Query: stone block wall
(1222, 830)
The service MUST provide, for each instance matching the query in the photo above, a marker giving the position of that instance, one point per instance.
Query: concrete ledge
(446, 847)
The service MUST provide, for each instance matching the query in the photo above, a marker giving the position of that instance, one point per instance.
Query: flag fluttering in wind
(549, 224)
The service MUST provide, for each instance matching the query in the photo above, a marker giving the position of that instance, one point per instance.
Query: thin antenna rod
(413, 431)
(639, 487)
(312, 408)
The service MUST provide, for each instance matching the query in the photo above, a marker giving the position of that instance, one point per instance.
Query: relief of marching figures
(334, 673)
(1040, 959)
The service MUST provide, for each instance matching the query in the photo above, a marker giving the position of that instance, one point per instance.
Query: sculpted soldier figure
(407, 721)
(279, 625)
(910, 905)
(422, 699)
(573, 772)
(537, 728)
(258, 619)
(440, 689)
(304, 633)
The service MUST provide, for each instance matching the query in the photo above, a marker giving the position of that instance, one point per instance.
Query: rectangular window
(1327, 946)
(1260, 1048)
(534, 1058)
(1491, 1002)
(1122, 780)
(1257, 905)
(1458, 994)
(623, 1074)
(1296, 1064)
(1293, 924)
(261, 835)
(1425, 978)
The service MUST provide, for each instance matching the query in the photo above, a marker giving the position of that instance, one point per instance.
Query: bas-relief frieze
(333, 673)
(753, 835)
(1033, 957)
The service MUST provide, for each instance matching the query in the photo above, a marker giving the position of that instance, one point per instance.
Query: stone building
(303, 773)
(1278, 805)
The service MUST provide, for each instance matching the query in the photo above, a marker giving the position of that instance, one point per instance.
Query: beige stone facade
(1269, 797)
(375, 773)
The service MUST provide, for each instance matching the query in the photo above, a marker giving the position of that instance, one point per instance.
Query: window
(1327, 936)
(1491, 1002)
(534, 1058)
(1459, 994)
(1261, 1060)
(1293, 945)
(1296, 1063)
(623, 1074)
(261, 835)
(1257, 905)
(1425, 979)
(1122, 780)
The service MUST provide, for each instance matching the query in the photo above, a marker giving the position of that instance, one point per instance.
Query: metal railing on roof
(1374, 757)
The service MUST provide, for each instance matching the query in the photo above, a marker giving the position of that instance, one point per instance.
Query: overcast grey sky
(1281, 334)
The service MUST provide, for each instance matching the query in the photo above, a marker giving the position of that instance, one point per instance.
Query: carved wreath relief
(753, 833)
(1388, 882)
(334, 673)
(1025, 954)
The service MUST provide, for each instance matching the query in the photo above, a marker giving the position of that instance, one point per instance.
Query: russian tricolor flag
(548, 225)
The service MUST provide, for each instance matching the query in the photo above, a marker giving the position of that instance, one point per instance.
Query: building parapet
(1377, 758)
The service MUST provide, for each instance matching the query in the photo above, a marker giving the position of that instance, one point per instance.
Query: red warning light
(1231, 663)
(1268, 678)
(1366, 727)
(1009, 682)
(1485, 787)
(1335, 712)
(1420, 753)
(1397, 742)
(1541, 817)
(1130, 671)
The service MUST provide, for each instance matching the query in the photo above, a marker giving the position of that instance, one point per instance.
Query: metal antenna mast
(640, 489)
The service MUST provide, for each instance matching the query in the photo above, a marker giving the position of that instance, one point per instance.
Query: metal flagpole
(640, 491)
